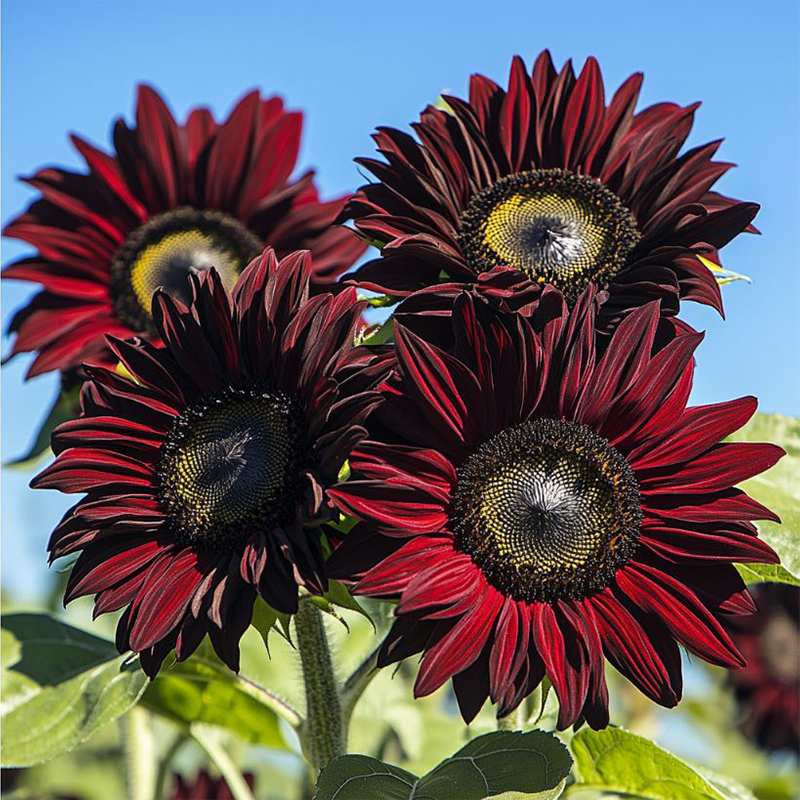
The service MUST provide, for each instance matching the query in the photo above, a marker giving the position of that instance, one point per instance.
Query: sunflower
(207, 475)
(545, 180)
(535, 507)
(206, 787)
(768, 689)
(171, 201)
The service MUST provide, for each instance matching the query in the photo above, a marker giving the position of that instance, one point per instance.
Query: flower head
(171, 201)
(768, 689)
(545, 180)
(205, 787)
(208, 474)
(535, 507)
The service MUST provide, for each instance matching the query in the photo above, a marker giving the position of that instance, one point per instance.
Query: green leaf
(503, 761)
(615, 760)
(779, 489)
(766, 573)
(65, 407)
(264, 619)
(354, 777)
(203, 689)
(60, 685)
(382, 300)
(499, 762)
(383, 335)
(344, 524)
(338, 595)
(537, 710)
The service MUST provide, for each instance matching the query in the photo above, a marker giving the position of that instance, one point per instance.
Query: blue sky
(73, 66)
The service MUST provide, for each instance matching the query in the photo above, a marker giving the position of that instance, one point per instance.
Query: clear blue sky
(73, 66)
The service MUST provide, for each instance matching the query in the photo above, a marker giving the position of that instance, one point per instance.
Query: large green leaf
(779, 490)
(203, 689)
(355, 777)
(614, 760)
(499, 762)
(60, 684)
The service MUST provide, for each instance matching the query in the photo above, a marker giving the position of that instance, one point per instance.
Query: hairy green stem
(355, 685)
(513, 721)
(204, 736)
(166, 763)
(283, 709)
(140, 754)
(322, 734)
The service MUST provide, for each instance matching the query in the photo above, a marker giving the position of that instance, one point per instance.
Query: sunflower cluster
(531, 487)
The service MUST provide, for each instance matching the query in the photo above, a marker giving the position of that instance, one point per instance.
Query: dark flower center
(547, 509)
(555, 226)
(229, 467)
(167, 249)
(780, 647)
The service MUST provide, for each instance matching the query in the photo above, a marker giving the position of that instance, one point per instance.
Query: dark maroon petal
(406, 637)
(560, 656)
(471, 686)
(459, 648)
(393, 574)
(442, 384)
(719, 468)
(161, 140)
(104, 566)
(679, 608)
(729, 505)
(409, 508)
(165, 595)
(717, 541)
(509, 647)
(698, 429)
(426, 469)
(639, 648)
(80, 469)
(653, 395)
(621, 365)
(453, 585)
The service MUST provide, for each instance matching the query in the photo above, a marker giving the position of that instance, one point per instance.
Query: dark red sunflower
(535, 507)
(548, 181)
(207, 476)
(172, 200)
(768, 689)
(205, 787)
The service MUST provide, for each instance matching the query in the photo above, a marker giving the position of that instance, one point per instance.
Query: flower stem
(322, 734)
(511, 722)
(166, 763)
(271, 700)
(204, 736)
(355, 685)
(140, 754)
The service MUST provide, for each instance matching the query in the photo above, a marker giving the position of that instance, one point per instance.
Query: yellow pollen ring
(147, 271)
(506, 223)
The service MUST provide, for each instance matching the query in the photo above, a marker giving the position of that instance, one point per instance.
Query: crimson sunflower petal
(591, 515)
(209, 476)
